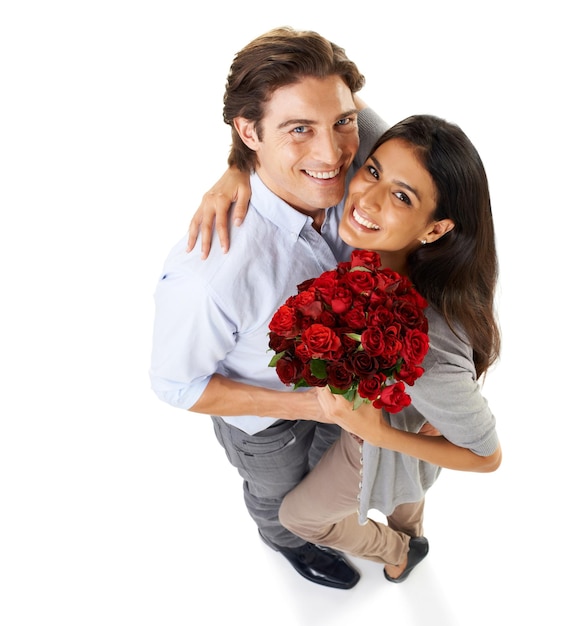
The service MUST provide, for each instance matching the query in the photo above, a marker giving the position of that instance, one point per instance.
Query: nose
(370, 197)
(328, 149)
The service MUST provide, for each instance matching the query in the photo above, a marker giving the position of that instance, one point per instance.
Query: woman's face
(391, 203)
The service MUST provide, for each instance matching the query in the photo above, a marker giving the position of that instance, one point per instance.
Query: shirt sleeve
(191, 336)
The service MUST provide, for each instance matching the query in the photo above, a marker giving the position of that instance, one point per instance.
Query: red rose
(341, 269)
(325, 286)
(339, 376)
(350, 344)
(355, 317)
(327, 318)
(363, 365)
(372, 341)
(284, 322)
(408, 313)
(386, 281)
(409, 373)
(391, 347)
(322, 342)
(308, 305)
(415, 346)
(392, 398)
(360, 281)
(278, 343)
(365, 258)
(415, 297)
(379, 316)
(370, 388)
(302, 352)
(289, 369)
(306, 284)
(341, 299)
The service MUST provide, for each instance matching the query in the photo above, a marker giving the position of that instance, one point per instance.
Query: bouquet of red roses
(359, 329)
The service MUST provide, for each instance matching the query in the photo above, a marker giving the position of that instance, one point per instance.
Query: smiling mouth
(363, 222)
(323, 175)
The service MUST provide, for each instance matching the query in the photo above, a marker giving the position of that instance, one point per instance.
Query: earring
(423, 242)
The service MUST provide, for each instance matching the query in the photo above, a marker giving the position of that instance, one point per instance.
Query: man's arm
(226, 397)
(191, 336)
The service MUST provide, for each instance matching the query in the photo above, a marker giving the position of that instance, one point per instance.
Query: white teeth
(324, 175)
(363, 221)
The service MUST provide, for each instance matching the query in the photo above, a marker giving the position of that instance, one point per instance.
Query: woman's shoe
(418, 549)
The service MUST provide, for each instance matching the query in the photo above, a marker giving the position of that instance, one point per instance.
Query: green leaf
(358, 401)
(319, 368)
(350, 394)
(274, 360)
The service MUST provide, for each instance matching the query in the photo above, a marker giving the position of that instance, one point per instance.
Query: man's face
(308, 140)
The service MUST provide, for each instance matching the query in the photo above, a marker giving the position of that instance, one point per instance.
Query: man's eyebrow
(296, 122)
(379, 168)
(308, 122)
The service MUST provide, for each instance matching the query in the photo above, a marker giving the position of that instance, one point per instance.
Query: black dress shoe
(318, 564)
(418, 549)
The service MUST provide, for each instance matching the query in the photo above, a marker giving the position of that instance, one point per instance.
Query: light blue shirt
(213, 316)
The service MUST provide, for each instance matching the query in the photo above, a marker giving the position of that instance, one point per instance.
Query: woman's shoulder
(448, 342)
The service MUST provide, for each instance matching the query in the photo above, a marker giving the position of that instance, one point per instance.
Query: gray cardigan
(449, 397)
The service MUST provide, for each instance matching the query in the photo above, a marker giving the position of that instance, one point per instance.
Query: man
(290, 102)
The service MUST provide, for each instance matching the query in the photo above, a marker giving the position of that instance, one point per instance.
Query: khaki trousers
(323, 509)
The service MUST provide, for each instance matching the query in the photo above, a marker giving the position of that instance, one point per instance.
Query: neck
(394, 261)
(318, 219)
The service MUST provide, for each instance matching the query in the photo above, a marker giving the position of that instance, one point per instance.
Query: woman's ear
(246, 130)
(439, 230)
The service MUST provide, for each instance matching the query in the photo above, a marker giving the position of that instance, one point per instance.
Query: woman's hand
(232, 187)
(368, 424)
(366, 421)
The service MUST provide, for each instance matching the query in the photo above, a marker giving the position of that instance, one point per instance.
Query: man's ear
(439, 230)
(246, 131)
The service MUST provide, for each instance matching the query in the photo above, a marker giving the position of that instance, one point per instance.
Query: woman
(422, 202)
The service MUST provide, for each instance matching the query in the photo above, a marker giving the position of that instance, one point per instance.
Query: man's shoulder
(248, 242)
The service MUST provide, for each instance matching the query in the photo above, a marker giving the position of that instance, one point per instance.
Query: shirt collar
(277, 210)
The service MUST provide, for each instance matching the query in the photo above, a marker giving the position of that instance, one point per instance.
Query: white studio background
(119, 510)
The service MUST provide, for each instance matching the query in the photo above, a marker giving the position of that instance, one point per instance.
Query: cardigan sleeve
(448, 395)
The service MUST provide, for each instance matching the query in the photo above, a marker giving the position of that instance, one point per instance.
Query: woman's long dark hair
(458, 273)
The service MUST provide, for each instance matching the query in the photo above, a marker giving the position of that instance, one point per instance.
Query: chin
(350, 238)
(331, 198)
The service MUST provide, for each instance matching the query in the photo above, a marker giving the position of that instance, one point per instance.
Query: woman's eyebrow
(379, 168)
(376, 163)
(408, 187)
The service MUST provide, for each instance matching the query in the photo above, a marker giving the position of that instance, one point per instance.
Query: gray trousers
(271, 463)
